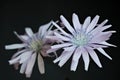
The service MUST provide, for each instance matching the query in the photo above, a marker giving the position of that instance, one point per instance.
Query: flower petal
(65, 58)
(43, 29)
(85, 58)
(15, 46)
(93, 23)
(15, 60)
(30, 65)
(76, 22)
(69, 48)
(75, 59)
(94, 56)
(66, 23)
(62, 37)
(41, 66)
(60, 45)
(108, 44)
(25, 56)
(102, 37)
(18, 53)
(62, 55)
(21, 37)
(86, 23)
(29, 32)
(104, 53)
(23, 67)
(66, 34)
(99, 29)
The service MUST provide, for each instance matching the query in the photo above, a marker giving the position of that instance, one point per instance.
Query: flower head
(34, 45)
(82, 40)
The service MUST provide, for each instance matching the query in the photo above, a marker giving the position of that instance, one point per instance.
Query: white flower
(34, 45)
(82, 40)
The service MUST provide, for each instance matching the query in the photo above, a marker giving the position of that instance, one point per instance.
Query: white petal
(43, 29)
(104, 53)
(96, 45)
(62, 37)
(105, 27)
(65, 58)
(69, 48)
(15, 60)
(61, 29)
(66, 23)
(18, 53)
(19, 36)
(62, 55)
(60, 45)
(108, 44)
(76, 22)
(86, 23)
(30, 65)
(25, 56)
(97, 30)
(29, 32)
(85, 58)
(93, 23)
(94, 57)
(51, 50)
(23, 67)
(15, 46)
(75, 59)
(25, 37)
(41, 66)
(102, 37)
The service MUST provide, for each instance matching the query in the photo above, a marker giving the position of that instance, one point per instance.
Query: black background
(16, 15)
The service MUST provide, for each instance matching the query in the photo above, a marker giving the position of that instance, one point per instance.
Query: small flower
(34, 45)
(82, 40)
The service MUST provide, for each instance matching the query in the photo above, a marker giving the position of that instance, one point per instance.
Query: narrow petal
(66, 23)
(65, 58)
(29, 32)
(93, 23)
(15, 46)
(99, 29)
(86, 23)
(108, 44)
(15, 60)
(23, 67)
(19, 36)
(62, 37)
(104, 53)
(62, 55)
(18, 53)
(76, 22)
(102, 37)
(85, 58)
(76, 58)
(43, 29)
(41, 66)
(69, 48)
(60, 45)
(25, 56)
(94, 56)
(51, 50)
(25, 37)
(30, 65)
(66, 34)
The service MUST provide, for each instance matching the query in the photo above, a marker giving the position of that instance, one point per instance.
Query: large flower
(82, 40)
(34, 45)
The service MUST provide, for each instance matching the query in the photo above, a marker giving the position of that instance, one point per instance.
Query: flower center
(36, 45)
(80, 39)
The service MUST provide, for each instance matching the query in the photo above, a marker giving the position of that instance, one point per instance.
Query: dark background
(16, 15)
